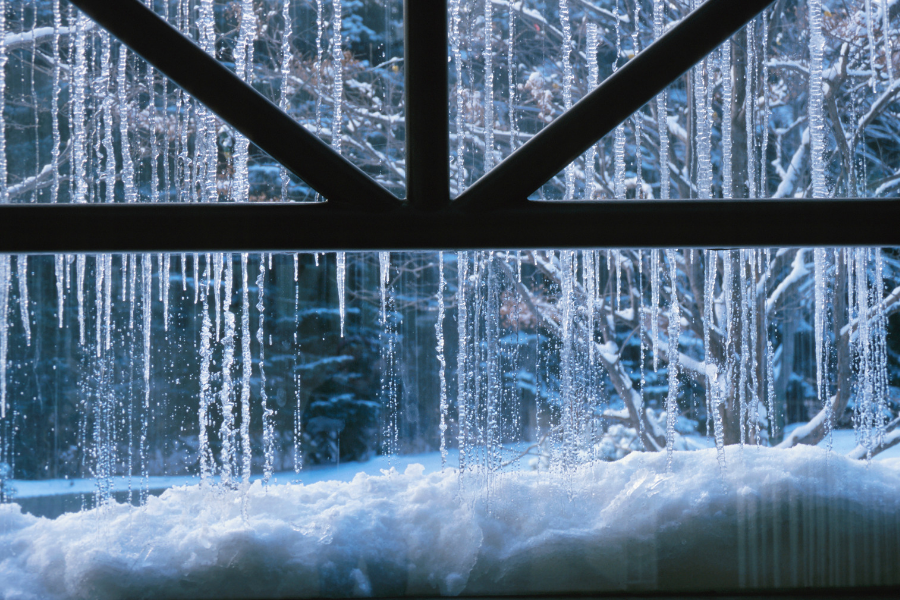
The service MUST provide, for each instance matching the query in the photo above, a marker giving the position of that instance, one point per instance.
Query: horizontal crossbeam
(283, 227)
(237, 103)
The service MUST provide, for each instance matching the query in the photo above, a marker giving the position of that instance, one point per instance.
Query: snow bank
(777, 517)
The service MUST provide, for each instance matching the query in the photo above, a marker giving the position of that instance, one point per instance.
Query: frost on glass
(800, 103)
(444, 423)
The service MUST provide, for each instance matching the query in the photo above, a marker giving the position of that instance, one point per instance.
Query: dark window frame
(494, 212)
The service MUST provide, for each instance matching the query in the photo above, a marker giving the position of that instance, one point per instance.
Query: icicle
(124, 129)
(709, 290)
(593, 41)
(246, 372)
(770, 353)
(79, 82)
(341, 287)
(703, 119)
(493, 396)
(816, 100)
(568, 79)
(99, 277)
(195, 263)
(107, 301)
(286, 59)
(4, 174)
(455, 46)
(745, 300)
(267, 413)
(59, 268)
(165, 268)
(512, 71)
(206, 396)
(619, 144)
(727, 100)
(820, 311)
(750, 109)
(226, 393)
(659, 18)
(146, 311)
(54, 115)
(674, 335)
(638, 117)
(384, 276)
(870, 34)
(654, 305)
(320, 32)
(80, 267)
(754, 343)
(488, 86)
(337, 67)
(183, 272)
(439, 333)
(24, 310)
(641, 336)
(5, 277)
(462, 356)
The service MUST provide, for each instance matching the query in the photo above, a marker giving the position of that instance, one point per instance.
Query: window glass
(421, 423)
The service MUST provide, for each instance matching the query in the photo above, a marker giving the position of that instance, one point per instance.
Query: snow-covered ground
(793, 517)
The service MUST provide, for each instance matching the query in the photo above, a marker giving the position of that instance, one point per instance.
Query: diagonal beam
(626, 91)
(274, 227)
(237, 103)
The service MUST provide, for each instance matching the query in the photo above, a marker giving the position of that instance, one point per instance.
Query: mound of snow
(774, 518)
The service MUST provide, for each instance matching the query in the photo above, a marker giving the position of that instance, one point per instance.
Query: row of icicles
(222, 284)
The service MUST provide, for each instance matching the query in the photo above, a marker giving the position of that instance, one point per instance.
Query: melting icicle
(226, 394)
(727, 100)
(821, 349)
(659, 18)
(54, 113)
(337, 67)
(593, 41)
(124, 130)
(462, 356)
(80, 268)
(146, 311)
(5, 277)
(870, 34)
(654, 305)
(267, 413)
(439, 333)
(206, 396)
(709, 290)
(674, 335)
(24, 311)
(816, 100)
(455, 46)
(568, 78)
(341, 287)
(246, 372)
(286, 59)
(488, 86)
(512, 71)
